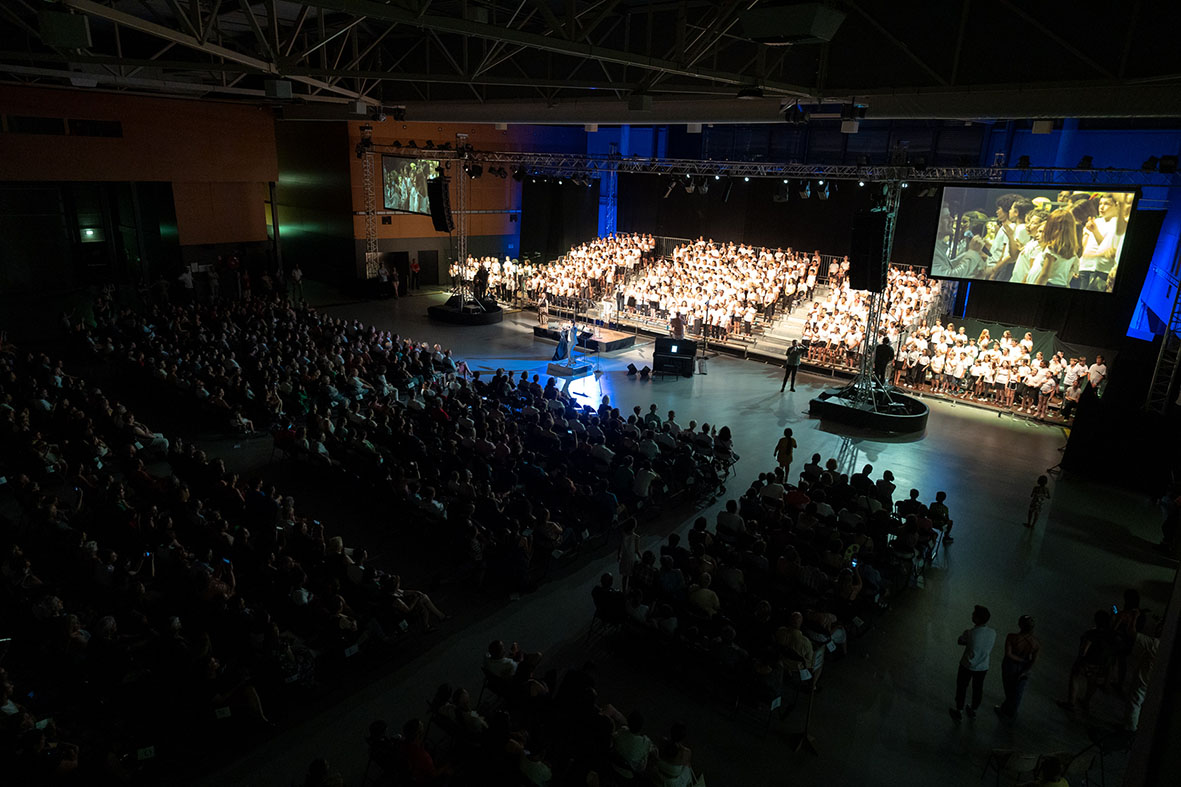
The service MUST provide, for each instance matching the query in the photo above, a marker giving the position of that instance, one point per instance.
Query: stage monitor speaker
(439, 196)
(867, 251)
(644, 373)
(631, 370)
(685, 347)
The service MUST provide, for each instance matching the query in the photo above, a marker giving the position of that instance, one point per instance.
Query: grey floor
(882, 718)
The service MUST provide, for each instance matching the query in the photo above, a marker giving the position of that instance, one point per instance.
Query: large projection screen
(403, 183)
(1044, 237)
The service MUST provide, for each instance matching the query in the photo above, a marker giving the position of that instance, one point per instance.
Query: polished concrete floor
(882, 718)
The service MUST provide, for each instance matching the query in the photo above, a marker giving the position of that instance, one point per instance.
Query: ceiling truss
(461, 55)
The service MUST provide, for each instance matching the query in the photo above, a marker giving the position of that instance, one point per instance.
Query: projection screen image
(1044, 237)
(404, 183)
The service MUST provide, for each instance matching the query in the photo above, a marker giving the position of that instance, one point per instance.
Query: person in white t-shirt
(1097, 374)
(978, 642)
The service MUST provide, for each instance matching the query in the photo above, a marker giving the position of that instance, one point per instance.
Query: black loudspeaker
(644, 373)
(867, 270)
(439, 195)
(631, 370)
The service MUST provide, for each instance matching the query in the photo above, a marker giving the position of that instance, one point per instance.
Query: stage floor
(882, 717)
(603, 340)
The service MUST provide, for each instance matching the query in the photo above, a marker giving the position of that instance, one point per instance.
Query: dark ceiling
(576, 61)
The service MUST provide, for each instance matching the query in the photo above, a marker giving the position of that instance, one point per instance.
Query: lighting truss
(576, 165)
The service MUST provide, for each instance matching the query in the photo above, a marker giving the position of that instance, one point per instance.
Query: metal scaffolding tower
(866, 389)
(1168, 361)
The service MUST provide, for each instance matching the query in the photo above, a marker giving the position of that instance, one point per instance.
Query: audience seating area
(751, 612)
(154, 602)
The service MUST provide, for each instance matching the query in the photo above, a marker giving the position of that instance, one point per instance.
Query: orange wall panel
(220, 212)
(163, 139)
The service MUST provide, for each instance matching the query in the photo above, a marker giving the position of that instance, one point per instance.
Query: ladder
(1164, 376)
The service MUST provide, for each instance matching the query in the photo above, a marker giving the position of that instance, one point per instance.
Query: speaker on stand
(867, 248)
(439, 195)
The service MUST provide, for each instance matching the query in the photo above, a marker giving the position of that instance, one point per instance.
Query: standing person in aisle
(977, 642)
(1021, 652)
(785, 452)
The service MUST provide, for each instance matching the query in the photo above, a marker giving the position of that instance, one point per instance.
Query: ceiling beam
(168, 34)
(898, 44)
(464, 27)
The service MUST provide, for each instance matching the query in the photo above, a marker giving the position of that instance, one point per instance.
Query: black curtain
(747, 212)
(556, 217)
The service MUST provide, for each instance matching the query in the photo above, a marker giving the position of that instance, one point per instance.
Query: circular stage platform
(895, 413)
(467, 311)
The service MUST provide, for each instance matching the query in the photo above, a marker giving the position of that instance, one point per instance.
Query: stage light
(1168, 165)
(861, 183)
(1086, 162)
(88, 232)
(519, 174)
(823, 192)
(397, 143)
(785, 180)
(559, 182)
(717, 177)
(746, 180)
(905, 185)
(1023, 162)
(1150, 164)
(430, 144)
(806, 190)
(820, 182)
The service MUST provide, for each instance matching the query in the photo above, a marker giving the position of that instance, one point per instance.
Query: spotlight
(1150, 164)
(717, 177)
(430, 144)
(1168, 165)
(476, 171)
(397, 143)
(672, 184)
(519, 174)
(785, 180)
(1086, 162)
(805, 189)
(746, 180)
(559, 182)
(823, 192)
(1023, 162)
(412, 144)
(861, 183)
(905, 185)
(820, 182)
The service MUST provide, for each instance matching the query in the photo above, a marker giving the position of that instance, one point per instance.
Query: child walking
(1039, 495)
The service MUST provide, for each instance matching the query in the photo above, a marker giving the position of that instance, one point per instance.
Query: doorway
(428, 261)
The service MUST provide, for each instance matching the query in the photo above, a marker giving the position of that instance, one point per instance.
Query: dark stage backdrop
(1092, 319)
(556, 217)
(751, 215)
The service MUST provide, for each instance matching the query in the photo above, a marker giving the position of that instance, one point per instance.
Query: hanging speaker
(867, 268)
(439, 196)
